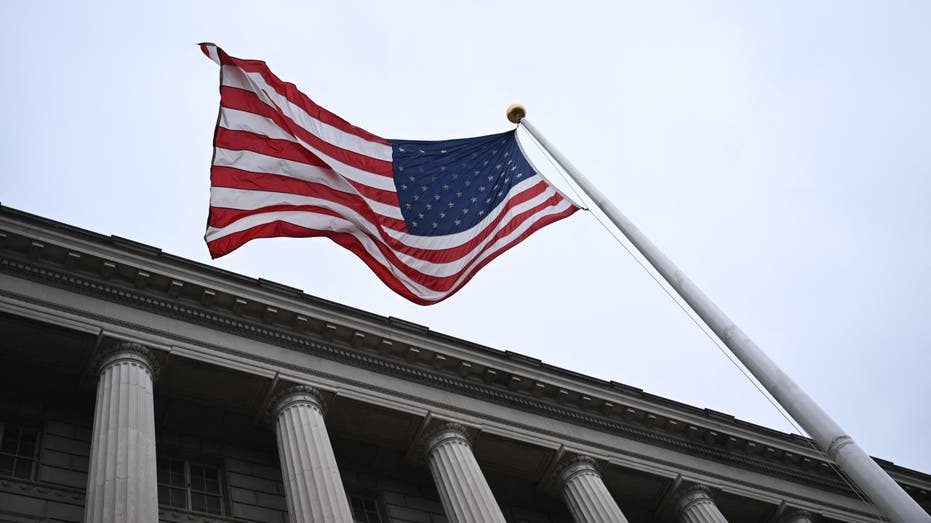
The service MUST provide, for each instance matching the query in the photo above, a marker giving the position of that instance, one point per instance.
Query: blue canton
(445, 187)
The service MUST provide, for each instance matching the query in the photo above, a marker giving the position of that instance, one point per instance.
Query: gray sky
(778, 152)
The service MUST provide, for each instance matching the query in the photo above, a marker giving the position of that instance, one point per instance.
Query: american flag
(425, 216)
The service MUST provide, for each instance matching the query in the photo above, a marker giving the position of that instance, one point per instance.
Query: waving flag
(425, 216)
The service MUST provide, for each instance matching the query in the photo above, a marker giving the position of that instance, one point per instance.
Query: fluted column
(312, 484)
(463, 490)
(585, 493)
(694, 504)
(121, 481)
(797, 516)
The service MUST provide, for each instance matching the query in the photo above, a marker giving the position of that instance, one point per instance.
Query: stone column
(121, 482)
(312, 484)
(585, 493)
(797, 516)
(694, 504)
(463, 490)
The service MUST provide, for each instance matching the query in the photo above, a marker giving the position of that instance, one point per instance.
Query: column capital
(689, 496)
(578, 464)
(297, 395)
(116, 351)
(449, 432)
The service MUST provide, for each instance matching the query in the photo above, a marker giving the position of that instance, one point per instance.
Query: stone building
(135, 384)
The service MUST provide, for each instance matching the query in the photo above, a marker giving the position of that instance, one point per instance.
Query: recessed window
(364, 509)
(18, 446)
(190, 486)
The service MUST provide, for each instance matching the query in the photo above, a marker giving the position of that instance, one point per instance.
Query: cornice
(162, 295)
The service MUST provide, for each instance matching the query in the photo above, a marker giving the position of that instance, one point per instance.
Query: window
(364, 509)
(189, 486)
(18, 447)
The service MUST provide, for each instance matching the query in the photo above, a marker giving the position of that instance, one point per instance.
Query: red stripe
(238, 179)
(227, 244)
(246, 141)
(437, 283)
(290, 91)
(243, 100)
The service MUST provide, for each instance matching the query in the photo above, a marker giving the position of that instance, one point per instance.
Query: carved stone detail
(117, 351)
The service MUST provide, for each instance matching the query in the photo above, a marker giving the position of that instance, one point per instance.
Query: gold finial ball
(516, 112)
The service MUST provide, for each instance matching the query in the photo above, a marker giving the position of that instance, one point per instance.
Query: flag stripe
(439, 249)
(309, 224)
(290, 91)
(250, 101)
(285, 150)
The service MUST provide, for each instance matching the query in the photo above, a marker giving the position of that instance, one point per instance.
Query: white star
(429, 206)
(458, 222)
(474, 199)
(451, 205)
(403, 187)
(442, 215)
(434, 225)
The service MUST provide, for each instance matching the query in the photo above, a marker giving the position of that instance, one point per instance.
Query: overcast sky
(778, 152)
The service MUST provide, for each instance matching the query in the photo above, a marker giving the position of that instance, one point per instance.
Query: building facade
(139, 386)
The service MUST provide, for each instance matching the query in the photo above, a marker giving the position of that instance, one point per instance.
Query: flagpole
(865, 473)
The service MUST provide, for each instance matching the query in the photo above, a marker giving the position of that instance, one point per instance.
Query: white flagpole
(882, 490)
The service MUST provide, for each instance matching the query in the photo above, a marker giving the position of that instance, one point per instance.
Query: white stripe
(234, 76)
(254, 200)
(212, 53)
(264, 126)
(260, 163)
(323, 222)
(236, 120)
(329, 223)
